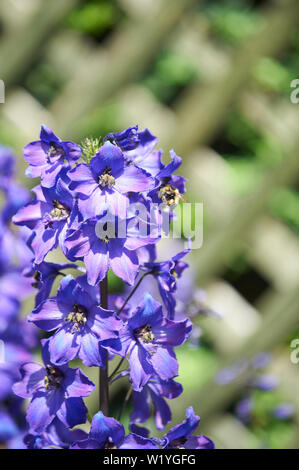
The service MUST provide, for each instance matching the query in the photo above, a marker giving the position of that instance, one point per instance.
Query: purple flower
(7, 166)
(92, 244)
(8, 427)
(261, 381)
(17, 441)
(43, 276)
(244, 409)
(261, 360)
(13, 248)
(155, 391)
(149, 338)
(55, 392)
(105, 182)
(9, 308)
(13, 289)
(21, 333)
(52, 212)
(265, 382)
(49, 155)
(13, 284)
(16, 197)
(231, 373)
(56, 435)
(171, 187)
(167, 273)
(284, 411)
(180, 436)
(82, 327)
(143, 155)
(126, 140)
(15, 355)
(107, 433)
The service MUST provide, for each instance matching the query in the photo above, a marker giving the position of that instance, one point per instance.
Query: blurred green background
(212, 80)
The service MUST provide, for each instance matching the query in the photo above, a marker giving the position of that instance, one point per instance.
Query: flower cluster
(103, 204)
(17, 337)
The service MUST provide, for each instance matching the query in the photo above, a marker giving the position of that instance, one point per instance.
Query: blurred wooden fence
(93, 75)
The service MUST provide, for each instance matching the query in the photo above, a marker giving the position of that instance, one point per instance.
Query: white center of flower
(77, 317)
(106, 179)
(53, 378)
(145, 334)
(169, 195)
(59, 211)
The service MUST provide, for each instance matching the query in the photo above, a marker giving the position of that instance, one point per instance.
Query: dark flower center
(77, 317)
(110, 138)
(106, 179)
(144, 334)
(109, 444)
(169, 195)
(178, 443)
(53, 378)
(55, 150)
(173, 271)
(36, 277)
(60, 211)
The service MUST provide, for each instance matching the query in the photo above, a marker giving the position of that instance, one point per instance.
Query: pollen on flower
(51, 151)
(109, 444)
(59, 211)
(106, 179)
(174, 273)
(145, 334)
(169, 195)
(77, 317)
(53, 378)
(55, 151)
